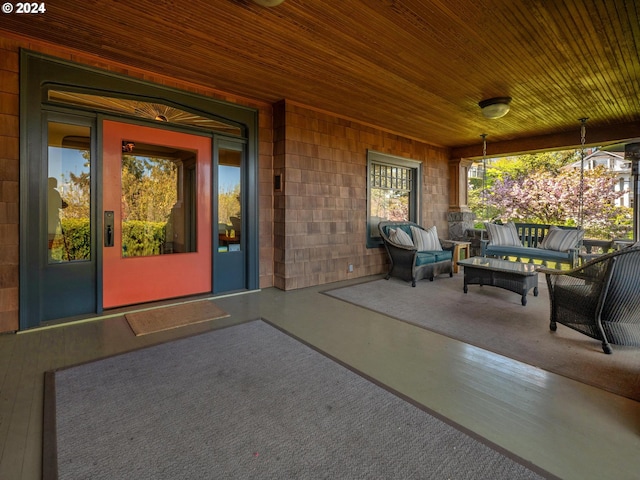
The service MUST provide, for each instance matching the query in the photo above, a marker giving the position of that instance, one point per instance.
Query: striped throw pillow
(503, 235)
(399, 236)
(426, 240)
(561, 240)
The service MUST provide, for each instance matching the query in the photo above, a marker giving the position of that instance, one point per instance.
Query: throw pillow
(399, 236)
(503, 235)
(426, 240)
(561, 240)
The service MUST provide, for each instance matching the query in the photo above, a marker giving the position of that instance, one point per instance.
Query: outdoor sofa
(415, 252)
(533, 241)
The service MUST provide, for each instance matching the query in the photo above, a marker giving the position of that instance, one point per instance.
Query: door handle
(108, 228)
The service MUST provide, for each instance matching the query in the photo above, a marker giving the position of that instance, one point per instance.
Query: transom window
(142, 109)
(393, 191)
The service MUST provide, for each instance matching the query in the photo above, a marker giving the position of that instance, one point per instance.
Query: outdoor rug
(245, 402)
(494, 319)
(165, 318)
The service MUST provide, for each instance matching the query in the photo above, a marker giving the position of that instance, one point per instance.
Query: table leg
(456, 257)
(457, 248)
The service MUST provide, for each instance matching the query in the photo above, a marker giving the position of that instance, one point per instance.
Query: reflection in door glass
(229, 205)
(158, 205)
(68, 193)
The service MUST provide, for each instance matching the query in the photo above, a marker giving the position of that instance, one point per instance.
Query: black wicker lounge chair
(410, 264)
(600, 298)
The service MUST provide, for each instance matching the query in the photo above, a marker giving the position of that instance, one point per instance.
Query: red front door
(157, 214)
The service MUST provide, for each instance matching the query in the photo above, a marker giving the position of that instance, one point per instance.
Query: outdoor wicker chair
(410, 263)
(600, 298)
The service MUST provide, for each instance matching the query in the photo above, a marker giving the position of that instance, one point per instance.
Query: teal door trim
(39, 73)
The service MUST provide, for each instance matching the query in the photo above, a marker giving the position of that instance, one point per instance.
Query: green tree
(229, 204)
(77, 194)
(523, 165)
(149, 188)
(537, 188)
(555, 198)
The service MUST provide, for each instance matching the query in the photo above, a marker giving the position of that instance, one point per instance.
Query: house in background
(612, 162)
(303, 111)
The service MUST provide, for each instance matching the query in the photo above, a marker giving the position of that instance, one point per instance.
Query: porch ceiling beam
(596, 137)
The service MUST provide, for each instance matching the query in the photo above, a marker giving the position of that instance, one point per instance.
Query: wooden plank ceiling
(413, 67)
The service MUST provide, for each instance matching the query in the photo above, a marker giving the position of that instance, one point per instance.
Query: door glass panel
(229, 195)
(158, 206)
(69, 193)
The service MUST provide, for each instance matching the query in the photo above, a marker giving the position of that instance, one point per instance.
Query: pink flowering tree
(554, 198)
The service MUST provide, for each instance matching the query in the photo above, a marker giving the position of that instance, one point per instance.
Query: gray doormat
(243, 402)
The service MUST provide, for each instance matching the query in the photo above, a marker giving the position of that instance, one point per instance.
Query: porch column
(458, 184)
(460, 217)
(632, 152)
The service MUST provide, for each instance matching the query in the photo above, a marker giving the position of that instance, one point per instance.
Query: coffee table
(514, 276)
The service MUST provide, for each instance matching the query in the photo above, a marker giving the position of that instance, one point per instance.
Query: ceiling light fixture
(268, 3)
(495, 107)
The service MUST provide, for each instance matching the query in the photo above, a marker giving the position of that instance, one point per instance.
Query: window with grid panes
(393, 191)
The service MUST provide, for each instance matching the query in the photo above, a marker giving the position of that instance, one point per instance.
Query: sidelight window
(68, 192)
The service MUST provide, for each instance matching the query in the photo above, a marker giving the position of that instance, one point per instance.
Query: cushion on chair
(561, 240)
(425, 239)
(399, 236)
(442, 255)
(503, 235)
(424, 258)
(528, 252)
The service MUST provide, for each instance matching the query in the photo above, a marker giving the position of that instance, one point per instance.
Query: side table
(458, 248)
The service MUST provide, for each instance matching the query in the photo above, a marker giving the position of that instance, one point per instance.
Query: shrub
(139, 238)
